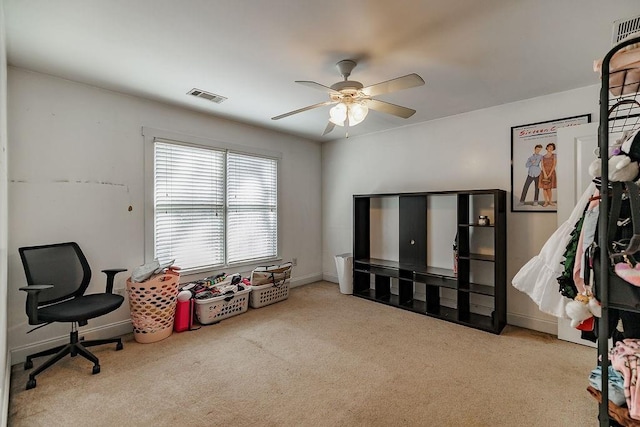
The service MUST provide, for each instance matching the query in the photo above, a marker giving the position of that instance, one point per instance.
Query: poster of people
(534, 164)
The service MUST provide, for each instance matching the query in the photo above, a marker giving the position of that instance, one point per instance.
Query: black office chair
(58, 276)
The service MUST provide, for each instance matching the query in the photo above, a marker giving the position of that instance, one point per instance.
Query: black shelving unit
(619, 112)
(412, 270)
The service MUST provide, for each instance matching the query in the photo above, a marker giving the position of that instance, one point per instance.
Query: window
(252, 225)
(212, 206)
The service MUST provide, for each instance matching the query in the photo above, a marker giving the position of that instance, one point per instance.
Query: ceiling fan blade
(328, 129)
(310, 107)
(318, 86)
(386, 107)
(404, 82)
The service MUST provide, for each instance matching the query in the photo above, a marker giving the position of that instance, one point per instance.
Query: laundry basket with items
(152, 290)
(270, 284)
(217, 298)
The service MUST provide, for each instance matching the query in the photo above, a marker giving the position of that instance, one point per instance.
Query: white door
(576, 151)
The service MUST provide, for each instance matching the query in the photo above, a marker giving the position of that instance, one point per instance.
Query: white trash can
(344, 265)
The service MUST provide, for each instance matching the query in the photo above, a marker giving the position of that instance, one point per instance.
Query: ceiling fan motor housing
(345, 67)
(347, 86)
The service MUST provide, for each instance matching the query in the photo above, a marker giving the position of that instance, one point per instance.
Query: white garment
(538, 277)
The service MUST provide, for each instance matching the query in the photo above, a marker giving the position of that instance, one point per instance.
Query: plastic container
(344, 266)
(268, 294)
(153, 304)
(212, 310)
(184, 316)
(270, 284)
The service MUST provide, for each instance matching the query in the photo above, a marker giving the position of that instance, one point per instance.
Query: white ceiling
(472, 53)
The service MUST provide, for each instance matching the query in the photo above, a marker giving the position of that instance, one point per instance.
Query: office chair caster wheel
(96, 369)
(31, 383)
(119, 346)
(28, 364)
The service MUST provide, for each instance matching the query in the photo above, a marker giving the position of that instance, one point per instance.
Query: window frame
(151, 135)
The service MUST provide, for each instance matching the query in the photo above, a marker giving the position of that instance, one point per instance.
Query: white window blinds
(252, 220)
(189, 205)
(203, 220)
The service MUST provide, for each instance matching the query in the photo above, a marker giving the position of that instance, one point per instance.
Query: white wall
(468, 151)
(76, 165)
(4, 372)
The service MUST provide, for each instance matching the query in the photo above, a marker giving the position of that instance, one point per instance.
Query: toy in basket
(233, 299)
(270, 284)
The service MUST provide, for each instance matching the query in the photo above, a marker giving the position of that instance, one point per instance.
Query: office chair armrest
(111, 274)
(32, 301)
(35, 288)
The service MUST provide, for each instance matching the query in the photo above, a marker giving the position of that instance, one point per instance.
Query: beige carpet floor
(319, 358)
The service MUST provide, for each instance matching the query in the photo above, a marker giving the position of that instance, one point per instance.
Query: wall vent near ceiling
(622, 28)
(207, 95)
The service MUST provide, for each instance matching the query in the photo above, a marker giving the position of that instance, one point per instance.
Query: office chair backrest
(62, 265)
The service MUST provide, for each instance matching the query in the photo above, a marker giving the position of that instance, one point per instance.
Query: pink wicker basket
(153, 306)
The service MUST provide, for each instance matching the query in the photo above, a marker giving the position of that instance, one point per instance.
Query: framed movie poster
(534, 164)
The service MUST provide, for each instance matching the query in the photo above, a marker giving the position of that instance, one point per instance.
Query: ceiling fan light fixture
(357, 113)
(338, 114)
(354, 110)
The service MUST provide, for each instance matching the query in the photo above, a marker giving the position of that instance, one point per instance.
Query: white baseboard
(329, 278)
(305, 280)
(527, 322)
(123, 327)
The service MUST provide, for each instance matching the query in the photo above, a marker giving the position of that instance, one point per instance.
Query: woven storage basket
(270, 284)
(153, 306)
(212, 310)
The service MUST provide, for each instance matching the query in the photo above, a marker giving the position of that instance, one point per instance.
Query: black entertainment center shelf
(366, 264)
(411, 284)
(473, 320)
(479, 257)
(479, 289)
(432, 193)
(432, 276)
(440, 312)
(393, 300)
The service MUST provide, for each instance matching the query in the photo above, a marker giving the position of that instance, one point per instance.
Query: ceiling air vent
(623, 28)
(207, 95)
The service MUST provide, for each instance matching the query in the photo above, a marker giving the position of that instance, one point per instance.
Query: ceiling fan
(352, 100)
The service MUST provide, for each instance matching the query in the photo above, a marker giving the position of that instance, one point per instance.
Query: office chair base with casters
(76, 346)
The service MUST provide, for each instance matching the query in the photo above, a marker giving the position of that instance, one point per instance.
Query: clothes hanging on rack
(584, 308)
(567, 284)
(572, 281)
(619, 115)
(538, 277)
(587, 237)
